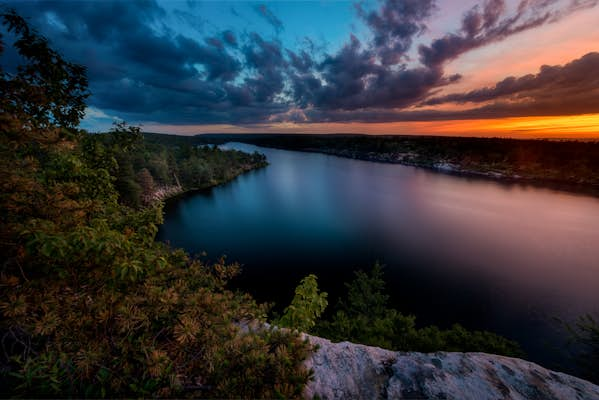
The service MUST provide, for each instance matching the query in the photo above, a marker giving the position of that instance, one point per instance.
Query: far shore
(453, 169)
(170, 192)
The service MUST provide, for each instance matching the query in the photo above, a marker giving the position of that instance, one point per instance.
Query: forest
(142, 167)
(92, 306)
(564, 164)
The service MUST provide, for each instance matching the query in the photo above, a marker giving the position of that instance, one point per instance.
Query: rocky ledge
(161, 193)
(352, 371)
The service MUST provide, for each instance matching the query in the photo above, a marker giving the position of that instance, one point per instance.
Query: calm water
(506, 258)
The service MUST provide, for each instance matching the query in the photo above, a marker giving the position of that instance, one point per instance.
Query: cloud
(555, 90)
(266, 59)
(354, 80)
(491, 23)
(97, 120)
(143, 71)
(570, 89)
(394, 26)
(190, 19)
(365, 79)
(268, 15)
(229, 38)
(302, 62)
(372, 73)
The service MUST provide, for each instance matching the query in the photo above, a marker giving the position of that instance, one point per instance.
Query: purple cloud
(241, 78)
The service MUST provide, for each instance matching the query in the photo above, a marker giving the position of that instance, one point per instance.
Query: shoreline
(453, 169)
(168, 193)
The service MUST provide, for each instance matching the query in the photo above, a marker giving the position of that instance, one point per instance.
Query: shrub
(91, 305)
(306, 307)
(584, 346)
(365, 317)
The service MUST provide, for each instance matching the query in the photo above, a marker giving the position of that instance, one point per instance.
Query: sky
(513, 68)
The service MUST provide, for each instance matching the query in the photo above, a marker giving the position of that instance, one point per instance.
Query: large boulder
(353, 371)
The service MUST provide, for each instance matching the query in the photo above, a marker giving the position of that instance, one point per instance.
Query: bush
(584, 349)
(365, 317)
(306, 307)
(91, 305)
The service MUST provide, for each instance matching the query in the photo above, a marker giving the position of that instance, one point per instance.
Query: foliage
(567, 164)
(48, 89)
(364, 317)
(306, 307)
(91, 305)
(146, 182)
(262, 365)
(458, 338)
(142, 166)
(584, 334)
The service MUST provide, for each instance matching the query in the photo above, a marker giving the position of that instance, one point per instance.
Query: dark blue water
(505, 258)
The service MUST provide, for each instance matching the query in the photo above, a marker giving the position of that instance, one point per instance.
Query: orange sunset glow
(332, 199)
(554, 127)
(504, 68)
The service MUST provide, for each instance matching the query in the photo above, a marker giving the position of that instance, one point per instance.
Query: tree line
(364, 316)
(143, 166)
(90, 304)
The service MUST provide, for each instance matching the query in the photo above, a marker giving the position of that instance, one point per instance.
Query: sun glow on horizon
(572, 127)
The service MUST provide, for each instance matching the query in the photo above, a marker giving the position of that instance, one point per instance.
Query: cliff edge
(353, 371)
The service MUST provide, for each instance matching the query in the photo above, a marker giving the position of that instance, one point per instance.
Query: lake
(502, 257)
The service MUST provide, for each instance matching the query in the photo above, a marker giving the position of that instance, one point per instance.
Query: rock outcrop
(352, 371)
(161, 193)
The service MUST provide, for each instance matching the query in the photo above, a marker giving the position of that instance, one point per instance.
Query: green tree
(127, 138)
(91, 305)
(307, 306)
(366, 293)
(458, 338)
(126, 184)
(364, 316)
(584, 351)
(146, 181)
(47, 89)
(159, 167)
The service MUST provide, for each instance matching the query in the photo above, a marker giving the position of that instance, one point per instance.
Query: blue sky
(325, 22)
(381, 66)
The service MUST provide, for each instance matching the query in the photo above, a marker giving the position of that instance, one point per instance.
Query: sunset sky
(523, 68)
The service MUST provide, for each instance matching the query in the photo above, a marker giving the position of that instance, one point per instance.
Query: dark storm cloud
(373, 74)
(302, 62)
(141, 70)
(565, 89)
(346, 75)
(190, 19)
(102, 21)
(268, 15)
(266, 59)
(97, 34)
(134, 69)
(230, 38)
(216, 42)
(218, 63)
(482, 26)
(570, 89)
(394, 26)
(354, 80)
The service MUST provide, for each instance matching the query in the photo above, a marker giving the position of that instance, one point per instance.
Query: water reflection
(487, 255)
